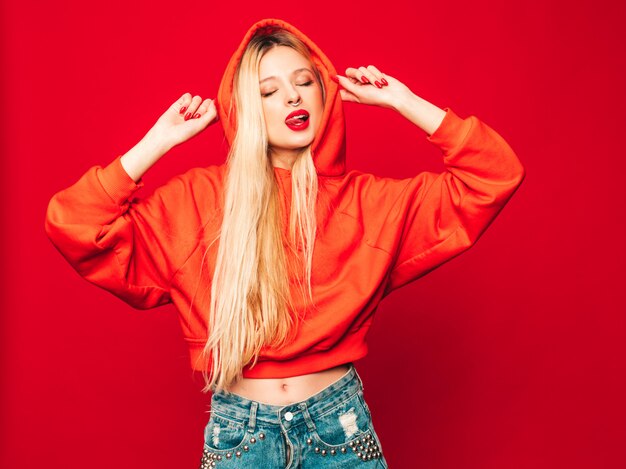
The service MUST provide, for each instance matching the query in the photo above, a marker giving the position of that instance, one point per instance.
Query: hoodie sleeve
(433, 217)
(129, 247)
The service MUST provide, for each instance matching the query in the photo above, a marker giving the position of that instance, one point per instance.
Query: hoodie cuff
(117, 183)
(451, 132)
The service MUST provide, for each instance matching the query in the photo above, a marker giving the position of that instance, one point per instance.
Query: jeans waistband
(240, 408)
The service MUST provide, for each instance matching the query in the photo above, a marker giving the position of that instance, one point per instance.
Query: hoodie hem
(451, 133)
(116, 182)
(285, 368)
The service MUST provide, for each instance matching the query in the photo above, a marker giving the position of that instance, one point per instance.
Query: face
(287, 84)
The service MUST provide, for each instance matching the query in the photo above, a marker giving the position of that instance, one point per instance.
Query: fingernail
(334, 78)
(364, 79)
(377, 83)
(196, 115)
(384, 81)
(182, 109)
(187, 116)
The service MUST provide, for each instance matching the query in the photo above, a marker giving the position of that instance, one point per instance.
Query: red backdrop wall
(511, 355)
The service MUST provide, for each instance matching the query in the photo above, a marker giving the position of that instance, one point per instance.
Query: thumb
(347, 96)
(347, 84)
(347, 90)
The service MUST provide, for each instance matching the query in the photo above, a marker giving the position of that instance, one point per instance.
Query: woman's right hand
(171, 129)
(174, 127)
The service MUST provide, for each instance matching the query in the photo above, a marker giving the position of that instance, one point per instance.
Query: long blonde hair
(250, 302)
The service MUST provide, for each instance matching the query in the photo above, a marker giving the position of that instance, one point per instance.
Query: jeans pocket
(224, 434)
(371, 428)
(345, 431)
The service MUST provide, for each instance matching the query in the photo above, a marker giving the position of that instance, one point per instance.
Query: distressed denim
(331, 429)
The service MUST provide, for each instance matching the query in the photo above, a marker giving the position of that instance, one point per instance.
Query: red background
(511, 355)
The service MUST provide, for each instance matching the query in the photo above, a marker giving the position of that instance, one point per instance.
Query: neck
(284, 160)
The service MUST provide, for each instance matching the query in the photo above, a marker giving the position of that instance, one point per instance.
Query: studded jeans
(331, 429)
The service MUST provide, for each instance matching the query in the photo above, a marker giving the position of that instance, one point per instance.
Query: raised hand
(368, 85)
(184, 119)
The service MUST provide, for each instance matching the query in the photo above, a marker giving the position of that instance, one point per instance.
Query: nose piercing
(296, 103)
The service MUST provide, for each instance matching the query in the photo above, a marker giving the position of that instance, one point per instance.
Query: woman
(277, 259)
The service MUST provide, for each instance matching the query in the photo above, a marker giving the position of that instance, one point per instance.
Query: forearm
(425, 115)
(143, 156)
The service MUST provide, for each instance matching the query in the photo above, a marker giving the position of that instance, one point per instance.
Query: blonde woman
(277, 259)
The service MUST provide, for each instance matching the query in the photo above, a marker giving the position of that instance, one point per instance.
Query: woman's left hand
(360, 86)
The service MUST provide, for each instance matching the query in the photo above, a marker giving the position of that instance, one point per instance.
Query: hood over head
(328, 148)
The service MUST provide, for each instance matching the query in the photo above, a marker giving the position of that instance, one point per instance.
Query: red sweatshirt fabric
(381, 234)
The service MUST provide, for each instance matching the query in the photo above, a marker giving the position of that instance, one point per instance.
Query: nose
(293, 97)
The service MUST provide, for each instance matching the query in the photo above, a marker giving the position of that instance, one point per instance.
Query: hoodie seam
(366, 237)
(461, 145)
(195, 248)
(430, 249)
(122, 206)
(200, 233)
(165, 288)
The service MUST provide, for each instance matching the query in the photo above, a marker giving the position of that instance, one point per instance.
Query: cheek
(319, 106)
(319, 101)
(274, 114)
(271, 115)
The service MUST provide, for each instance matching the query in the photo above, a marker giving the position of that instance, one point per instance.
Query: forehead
(281, 60)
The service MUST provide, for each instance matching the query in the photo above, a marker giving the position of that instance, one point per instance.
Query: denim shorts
(331, 429)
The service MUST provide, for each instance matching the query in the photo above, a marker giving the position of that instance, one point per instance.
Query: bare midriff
(285, 391)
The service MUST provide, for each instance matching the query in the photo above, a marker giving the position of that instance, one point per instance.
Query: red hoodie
(381, 234)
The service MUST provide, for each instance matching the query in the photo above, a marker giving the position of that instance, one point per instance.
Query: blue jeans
(331, 429)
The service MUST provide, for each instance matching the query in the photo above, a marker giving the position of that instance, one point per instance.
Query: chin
(298, 143)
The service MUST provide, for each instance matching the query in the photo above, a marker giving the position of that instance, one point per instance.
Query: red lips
(298, 120)
(294, 114)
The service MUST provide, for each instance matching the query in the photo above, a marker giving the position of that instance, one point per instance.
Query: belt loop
(357, 375)
(307, 417)
(252, 422)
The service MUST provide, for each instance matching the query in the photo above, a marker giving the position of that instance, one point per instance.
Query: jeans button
(288, 416)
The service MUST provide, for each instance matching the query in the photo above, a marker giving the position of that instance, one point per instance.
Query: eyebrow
(293, 73)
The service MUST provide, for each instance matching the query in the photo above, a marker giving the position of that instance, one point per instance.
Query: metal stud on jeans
(365, 448)
(210, 458)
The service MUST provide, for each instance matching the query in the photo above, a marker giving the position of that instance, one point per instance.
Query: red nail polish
(377, 83)
(384, 81)
(196, 115)
(334, 78)
(182, 109)
(187, 116)
(364, 79)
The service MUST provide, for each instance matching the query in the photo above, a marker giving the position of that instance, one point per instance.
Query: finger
(368, 77)
(347, 96)
(354, 75)
(206, 109)
(202, 109)
(204, 120)
(380, 76)
(352, 88)
(193, 107)
(214, 106)
(182, 103)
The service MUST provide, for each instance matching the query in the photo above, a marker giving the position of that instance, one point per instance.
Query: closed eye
(308, 83)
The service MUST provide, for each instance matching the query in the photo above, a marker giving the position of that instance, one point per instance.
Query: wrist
(143, 156)
(403, 104)
(420, 112)
(155, 144)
